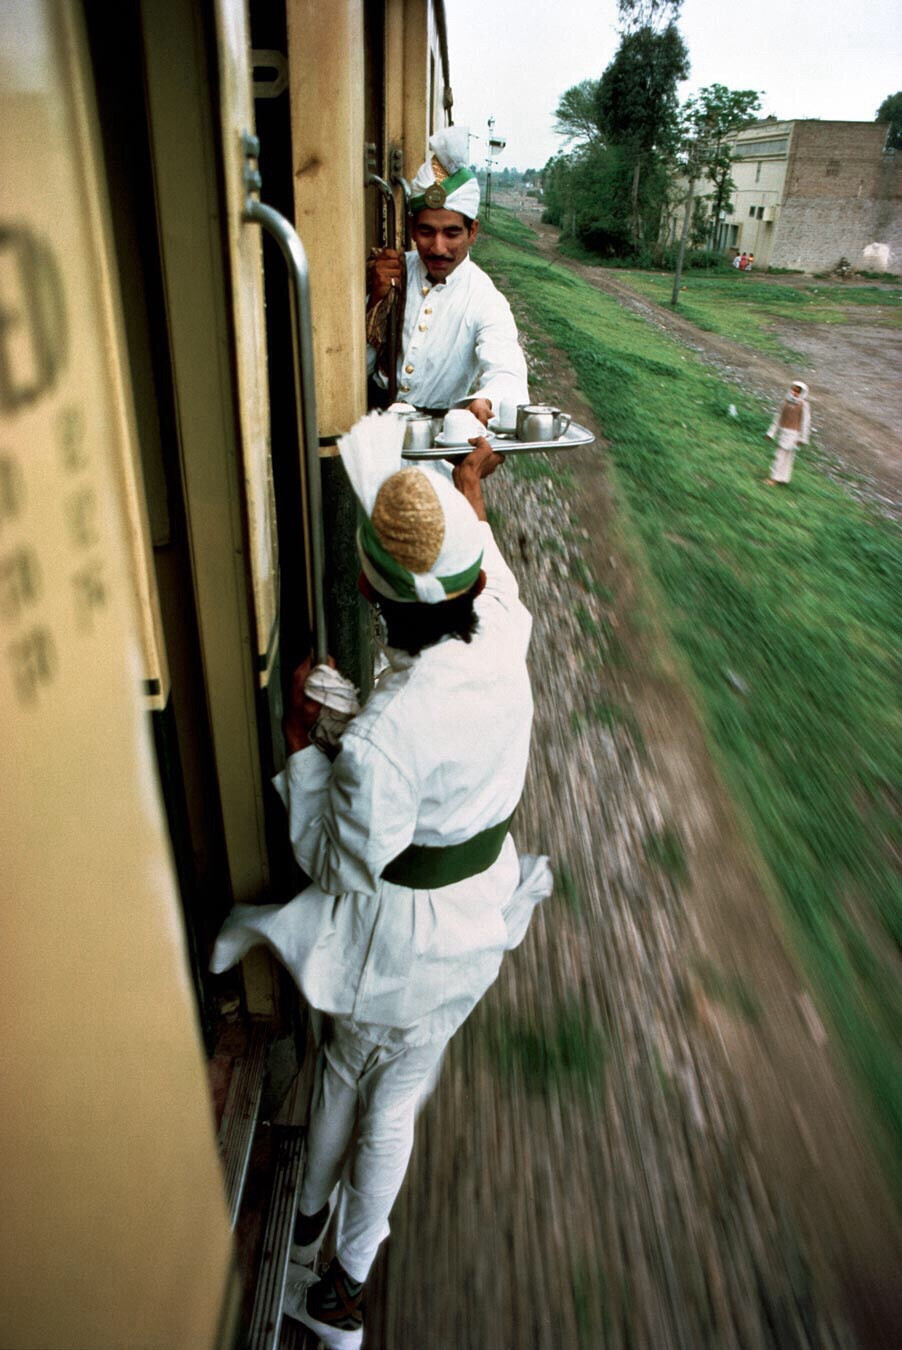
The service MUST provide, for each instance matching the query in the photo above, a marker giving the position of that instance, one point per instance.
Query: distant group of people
(744, 261)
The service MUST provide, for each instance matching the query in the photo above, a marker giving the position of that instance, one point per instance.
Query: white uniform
(788, 441)
(437, 755)
(459, 341)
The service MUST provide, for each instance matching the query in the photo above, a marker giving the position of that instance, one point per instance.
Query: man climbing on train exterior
(458, 344)
(416, 889)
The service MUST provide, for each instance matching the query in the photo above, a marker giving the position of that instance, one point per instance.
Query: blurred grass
(565, 886)
(796, 592)
(664, 849)
(567, 1051)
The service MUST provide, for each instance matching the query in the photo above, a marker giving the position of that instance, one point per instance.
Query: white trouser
(377, 1088)
(781, 469)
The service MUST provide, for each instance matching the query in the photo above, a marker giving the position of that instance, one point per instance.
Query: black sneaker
(334, 1309)
(309, 1231)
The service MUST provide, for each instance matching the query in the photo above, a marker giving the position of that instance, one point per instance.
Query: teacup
(460, 425)
(507, 414)
(541, 422)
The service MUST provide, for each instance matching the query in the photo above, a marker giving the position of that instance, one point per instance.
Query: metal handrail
(289, 242)
(398, 180)
(372, 179)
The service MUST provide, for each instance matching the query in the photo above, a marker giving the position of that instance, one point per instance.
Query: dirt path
(853, 377)
(642, 1139)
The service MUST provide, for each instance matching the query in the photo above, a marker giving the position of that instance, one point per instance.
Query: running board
(266, 1321)
(239, 1119)
(295, 1336)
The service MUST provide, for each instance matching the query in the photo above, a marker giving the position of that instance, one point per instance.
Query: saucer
(499, 430)
(440, 439)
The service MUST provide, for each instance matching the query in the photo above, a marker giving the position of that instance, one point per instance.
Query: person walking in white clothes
(790, 426)
(417, 889)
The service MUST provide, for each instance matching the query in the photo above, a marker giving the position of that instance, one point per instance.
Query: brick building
(810, 192)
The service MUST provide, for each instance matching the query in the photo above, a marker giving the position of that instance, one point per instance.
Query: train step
(266, 1320)
(239, 1117)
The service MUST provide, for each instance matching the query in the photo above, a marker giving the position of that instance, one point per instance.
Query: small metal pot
(541, 422)
(418, 434)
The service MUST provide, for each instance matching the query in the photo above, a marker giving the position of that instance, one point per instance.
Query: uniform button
(427, 311)
(422, 327)
(409, 370)
(405, 388)
(426, 290)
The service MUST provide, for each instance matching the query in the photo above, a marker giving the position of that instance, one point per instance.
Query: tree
(711, 118)
(637, 105)
(708, 121)
(890, 111)
(635, 14)
(586, 193)
(576, 116)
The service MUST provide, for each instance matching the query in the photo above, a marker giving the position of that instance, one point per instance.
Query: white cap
(420, 541)
(444, 181)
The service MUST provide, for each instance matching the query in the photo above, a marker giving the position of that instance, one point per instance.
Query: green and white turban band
(420, 541)
(445, 182)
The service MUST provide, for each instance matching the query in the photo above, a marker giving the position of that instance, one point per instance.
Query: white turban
(420, 540)
(445, 182)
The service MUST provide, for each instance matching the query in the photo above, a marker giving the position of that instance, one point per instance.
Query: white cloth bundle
(338, 697)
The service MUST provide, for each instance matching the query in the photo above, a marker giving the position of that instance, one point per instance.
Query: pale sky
(835, 59)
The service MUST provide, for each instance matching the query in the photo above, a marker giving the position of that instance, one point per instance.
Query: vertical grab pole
(398, 180)
(287, 238)
(391, 229)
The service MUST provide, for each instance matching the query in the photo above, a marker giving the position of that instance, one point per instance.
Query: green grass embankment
(785, 605)
(746, 310)
(744, 307)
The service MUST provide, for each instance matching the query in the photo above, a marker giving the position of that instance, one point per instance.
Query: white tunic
(437, 754)
(459, 341)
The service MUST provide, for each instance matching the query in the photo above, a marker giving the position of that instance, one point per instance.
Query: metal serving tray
(507, 444)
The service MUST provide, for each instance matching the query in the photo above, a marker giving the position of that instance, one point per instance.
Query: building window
(734, 234)
(752, 212)
(758, 171)
(752, 149)
(760, 212)
(832, 170)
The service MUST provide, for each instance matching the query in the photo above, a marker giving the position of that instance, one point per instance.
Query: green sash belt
(425, 868)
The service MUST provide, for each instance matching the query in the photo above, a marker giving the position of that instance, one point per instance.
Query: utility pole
(488, 171)
(495, 145)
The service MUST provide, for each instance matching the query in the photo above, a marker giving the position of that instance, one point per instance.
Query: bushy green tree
(890, 111)
(610, 187)
(576, 116)
(637, 105)
(709, 121)
(587, 194)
